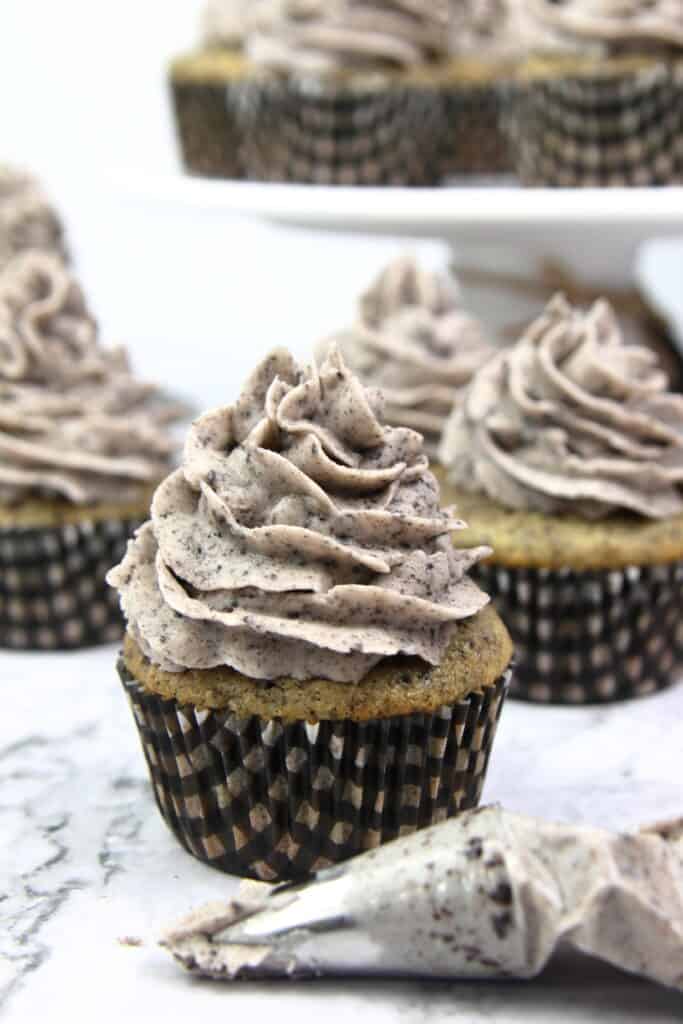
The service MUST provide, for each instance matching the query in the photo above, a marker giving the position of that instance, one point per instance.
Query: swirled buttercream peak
(328, 36)
(571, 420)
(301, 537)
(617, 23)
(412, 340)
(75, 424)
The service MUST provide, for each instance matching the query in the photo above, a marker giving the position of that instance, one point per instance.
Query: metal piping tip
(487, 894)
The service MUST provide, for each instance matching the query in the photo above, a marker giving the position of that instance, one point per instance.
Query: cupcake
(488, 40)
(27, 220)
(310, 668)
(82, 444)
(414, 342)
(483, 48)
(566, 456)
(347, 93)
(206, 87)
(610, 114)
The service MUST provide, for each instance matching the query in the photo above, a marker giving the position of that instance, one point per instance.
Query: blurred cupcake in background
(414, 342)
(566, 456)
(83, 443)
(610, 112)
(488, 40)
(347, 92)
(206, 88)
(404, 283)
(483, 49)
(27, 218)
(311, 669)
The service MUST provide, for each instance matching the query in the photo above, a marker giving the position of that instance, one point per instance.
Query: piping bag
(487, 894)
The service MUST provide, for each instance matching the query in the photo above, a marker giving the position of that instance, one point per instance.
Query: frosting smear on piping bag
(571, 420)
(301, 537)
(487, 894)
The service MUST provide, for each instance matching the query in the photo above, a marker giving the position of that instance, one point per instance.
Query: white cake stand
(597, 236)
(592, 231)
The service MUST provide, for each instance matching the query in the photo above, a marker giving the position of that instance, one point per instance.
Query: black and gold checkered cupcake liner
(292, 132)
(208, 128)
(476, 141)
(590, 637)
(53, 594)
(273, 800)
(600, 129)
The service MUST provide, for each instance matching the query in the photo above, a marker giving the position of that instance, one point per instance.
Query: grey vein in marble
(487, 894)
(87, 863)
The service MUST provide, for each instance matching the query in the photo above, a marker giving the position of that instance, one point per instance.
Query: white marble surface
(88, 865)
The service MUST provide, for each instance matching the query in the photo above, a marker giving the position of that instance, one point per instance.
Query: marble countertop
(91, 876)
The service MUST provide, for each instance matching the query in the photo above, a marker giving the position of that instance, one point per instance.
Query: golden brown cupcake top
(570, 420)
(301, 537)
(477, 656)
(535, 540)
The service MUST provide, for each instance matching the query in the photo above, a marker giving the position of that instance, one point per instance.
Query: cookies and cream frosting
(227, 23)
(74, 423)
(327, 36)
(27, 220)
(495, 30)
(488, 29)
(403, 282)
(571, 420)
(414, 342)
(616, 23)
(301, 537)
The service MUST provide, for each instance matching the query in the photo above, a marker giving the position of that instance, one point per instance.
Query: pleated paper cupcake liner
(208, 128)
(590, 637)
(616, 130)
(295, 133)
(274, 800)
(53, 594)
(475, 140)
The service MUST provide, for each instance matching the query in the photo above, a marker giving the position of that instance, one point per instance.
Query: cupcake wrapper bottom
(475, 140)
(53, 594)
(595, 131)
(208, 128)
(590, 637)
(386, 137)
(272, 800)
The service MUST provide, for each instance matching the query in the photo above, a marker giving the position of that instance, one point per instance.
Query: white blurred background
(196, 296)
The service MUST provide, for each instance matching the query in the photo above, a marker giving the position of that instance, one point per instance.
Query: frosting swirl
(27, 220)
(74, 422)
(404, 283)
(420, 348)
(327, 36)
(512, 30)
(227, 23)
(301, 537)
(483, 28)
(618, 23)
(571, 420)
